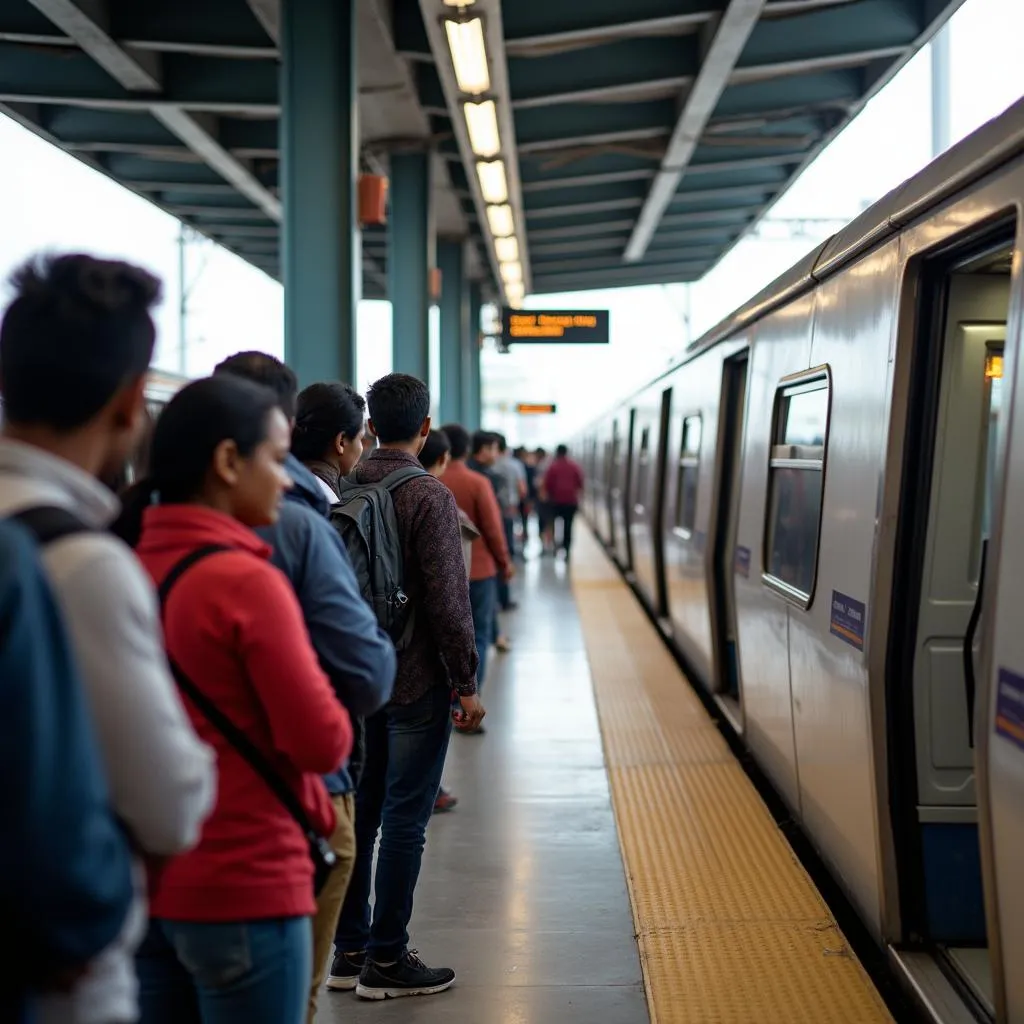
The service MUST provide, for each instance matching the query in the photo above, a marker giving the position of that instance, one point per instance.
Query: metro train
(819, 505)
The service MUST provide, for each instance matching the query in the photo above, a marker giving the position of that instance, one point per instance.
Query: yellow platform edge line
(730, 927)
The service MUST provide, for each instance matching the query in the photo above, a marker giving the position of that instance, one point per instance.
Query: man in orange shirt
(475, 496)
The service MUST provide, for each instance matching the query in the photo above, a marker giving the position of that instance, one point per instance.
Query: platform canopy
(633, 141)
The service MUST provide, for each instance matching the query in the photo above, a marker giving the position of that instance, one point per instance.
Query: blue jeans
(405, 750)
(222, 973)
(483, 596)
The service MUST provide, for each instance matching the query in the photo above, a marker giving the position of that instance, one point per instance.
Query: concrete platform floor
(522, 891)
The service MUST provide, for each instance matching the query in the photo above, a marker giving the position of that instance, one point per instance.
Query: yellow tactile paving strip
(731, 929)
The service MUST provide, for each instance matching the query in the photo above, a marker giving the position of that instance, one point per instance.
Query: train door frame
(917, 405)
(720, 562)
(660, 491)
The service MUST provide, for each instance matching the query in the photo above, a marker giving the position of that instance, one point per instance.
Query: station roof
(642, 138)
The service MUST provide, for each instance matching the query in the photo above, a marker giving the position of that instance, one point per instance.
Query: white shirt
(162, 778)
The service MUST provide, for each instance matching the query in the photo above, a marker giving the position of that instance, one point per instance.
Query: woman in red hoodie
(230, 937)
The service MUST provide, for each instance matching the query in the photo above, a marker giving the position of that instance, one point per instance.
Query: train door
(953, 486)
(726, 512)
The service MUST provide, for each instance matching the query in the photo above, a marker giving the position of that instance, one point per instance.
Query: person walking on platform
(512, 495)
(407, 741)
(64, 910)
(545, 524)
(75, 344)
(356, 653)
(475, 496)
(563, 482)
(230, 937)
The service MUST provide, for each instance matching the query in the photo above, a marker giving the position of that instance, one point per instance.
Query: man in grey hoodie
(354, 651)
(75, 345)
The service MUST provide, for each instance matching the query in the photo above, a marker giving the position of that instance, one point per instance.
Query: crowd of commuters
(226, 718)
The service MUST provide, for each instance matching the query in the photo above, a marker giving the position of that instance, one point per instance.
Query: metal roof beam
(730, 36)
(611, 262)
(580, 230)
(622, 277)
(268, 14)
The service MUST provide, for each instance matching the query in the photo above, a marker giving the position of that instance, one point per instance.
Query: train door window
(686, 481)
(795, 482)
(643, 469)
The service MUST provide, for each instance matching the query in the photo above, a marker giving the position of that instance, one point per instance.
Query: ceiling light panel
(512, 273)
(469, 55)
(482, 125)
(500, 220)
(507, 249)
(493, 183)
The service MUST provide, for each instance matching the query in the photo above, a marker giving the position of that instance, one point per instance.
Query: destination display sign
(554, 326)
(535, 409)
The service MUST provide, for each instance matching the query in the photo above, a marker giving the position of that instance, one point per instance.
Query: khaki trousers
(328, 903)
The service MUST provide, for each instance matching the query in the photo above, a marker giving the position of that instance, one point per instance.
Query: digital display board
(554, 326)
(535, 409)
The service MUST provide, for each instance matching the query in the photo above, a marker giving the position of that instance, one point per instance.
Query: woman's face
(350, 451)
(262, 479)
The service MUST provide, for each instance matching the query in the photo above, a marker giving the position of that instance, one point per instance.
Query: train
(819, 504)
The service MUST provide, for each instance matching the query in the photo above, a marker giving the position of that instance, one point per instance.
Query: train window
(686, 482)
(643, 466)
(795, 482)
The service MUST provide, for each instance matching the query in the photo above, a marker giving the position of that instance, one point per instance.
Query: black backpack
(365, 518)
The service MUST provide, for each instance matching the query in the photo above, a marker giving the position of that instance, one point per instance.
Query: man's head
(436, 453)
(561, 452)
(261, 368)
(502, 443)
(485, 447)
(458, 438)
(75, 345)
(399, 407)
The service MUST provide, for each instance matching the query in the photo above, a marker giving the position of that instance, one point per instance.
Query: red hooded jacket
(234, 626)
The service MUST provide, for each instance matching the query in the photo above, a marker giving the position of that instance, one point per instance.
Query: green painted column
(321, 245)
(454, 327)
(411, 254)
(471, 360)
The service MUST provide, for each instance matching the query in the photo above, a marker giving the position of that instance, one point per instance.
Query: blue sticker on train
(847, 620)
(743, 562)
(1010, 707)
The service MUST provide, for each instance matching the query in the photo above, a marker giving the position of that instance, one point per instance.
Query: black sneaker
(345, 971)
(410, 976)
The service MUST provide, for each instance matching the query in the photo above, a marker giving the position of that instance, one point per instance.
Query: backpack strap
(248, 750)
(48, 523)
(395, 479)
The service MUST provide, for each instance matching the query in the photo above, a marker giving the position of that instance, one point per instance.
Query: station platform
(609, 861)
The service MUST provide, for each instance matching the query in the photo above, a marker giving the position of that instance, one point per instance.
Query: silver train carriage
(819, 505)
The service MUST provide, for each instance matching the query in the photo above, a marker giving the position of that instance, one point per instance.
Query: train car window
(795, 483)
(643, 468)
(686, 481)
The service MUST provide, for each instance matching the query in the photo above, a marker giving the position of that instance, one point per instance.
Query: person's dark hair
(502, 443)
(540, 453)
(436, 445)
(458, 438)
(196, 420)
(398, 405)
(77, 331)
(482, 439)
(261, 368)
(324, 411)
(561, 451)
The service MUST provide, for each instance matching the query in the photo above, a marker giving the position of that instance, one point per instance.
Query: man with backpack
(75, 345)
(354, 651)
(423, 598)
(65, 863)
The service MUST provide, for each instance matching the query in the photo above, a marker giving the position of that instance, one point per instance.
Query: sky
(49, 200)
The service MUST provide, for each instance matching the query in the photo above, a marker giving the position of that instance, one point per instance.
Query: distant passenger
(529, 499)
(514, 474)
(356, 653)
(65, 900)
(545, 524)
(563, 482)
(407, 741)
(475, 496)
(230, 935)
(329, 433)
(75, 345)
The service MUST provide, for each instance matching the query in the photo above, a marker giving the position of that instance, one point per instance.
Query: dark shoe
(409, 976)
(444, 802)
(345, 971)
(512, 606)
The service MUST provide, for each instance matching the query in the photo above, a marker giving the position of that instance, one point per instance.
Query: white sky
(50, 200)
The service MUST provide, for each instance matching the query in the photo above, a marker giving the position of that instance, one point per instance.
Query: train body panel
(831, 485)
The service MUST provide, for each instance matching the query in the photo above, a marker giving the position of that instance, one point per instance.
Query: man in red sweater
(563, 482)
(475, 495)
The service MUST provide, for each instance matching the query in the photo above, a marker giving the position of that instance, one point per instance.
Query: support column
(411, 248)
(321, 244)
(454, 327)
(471, 361)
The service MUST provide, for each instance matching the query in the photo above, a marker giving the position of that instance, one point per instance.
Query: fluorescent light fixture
(482, 125)
(459, 3)
(507, 249)
(500, 220)
(514, 294)
(469, 55)
(512, 273)
(493, 183)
